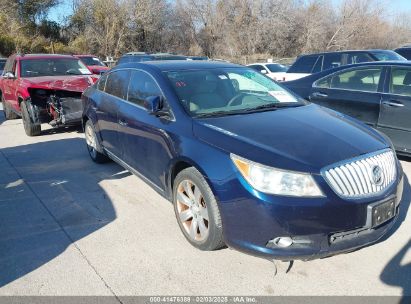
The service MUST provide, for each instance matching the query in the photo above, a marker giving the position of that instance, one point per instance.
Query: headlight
(275, 181)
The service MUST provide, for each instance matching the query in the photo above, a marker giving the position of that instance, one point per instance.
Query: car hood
(68, 83)
(305, 138)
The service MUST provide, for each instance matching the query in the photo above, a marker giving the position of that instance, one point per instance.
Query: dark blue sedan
(244, 161)
(377, 93)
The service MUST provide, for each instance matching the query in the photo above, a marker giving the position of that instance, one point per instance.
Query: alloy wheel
(91, 141)
(192, 211)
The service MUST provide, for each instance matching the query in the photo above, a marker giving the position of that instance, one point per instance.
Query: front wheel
(196, 210)
(31, 128)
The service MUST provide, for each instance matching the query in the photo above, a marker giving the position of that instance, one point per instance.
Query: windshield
(387, 56)
(226, 91)
(92, 61)
(53, 67)
(2, 64)
(276, 67)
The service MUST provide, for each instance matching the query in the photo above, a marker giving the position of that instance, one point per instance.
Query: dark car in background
(404, 52)
(315, 63)
(2, 64)
(245, 162)
(377, 93)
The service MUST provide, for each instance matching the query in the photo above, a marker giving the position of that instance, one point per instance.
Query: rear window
(303, 64)
(405, 53)
(387, 55)
(117, 83)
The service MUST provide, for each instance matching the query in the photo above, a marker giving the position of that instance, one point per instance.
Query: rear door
(115, 91)
(395, 116)
(355, 92)
(145, 142)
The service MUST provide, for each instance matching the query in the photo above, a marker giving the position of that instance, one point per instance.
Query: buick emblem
(377, 175)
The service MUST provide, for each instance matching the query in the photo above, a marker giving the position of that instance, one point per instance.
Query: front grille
(362, 177)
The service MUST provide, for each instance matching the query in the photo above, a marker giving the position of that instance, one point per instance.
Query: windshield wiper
(218, 113)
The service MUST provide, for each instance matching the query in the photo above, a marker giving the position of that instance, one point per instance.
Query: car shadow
(51, 196)
(396, 272)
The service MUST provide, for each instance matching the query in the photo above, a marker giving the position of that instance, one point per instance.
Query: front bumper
(319, 227)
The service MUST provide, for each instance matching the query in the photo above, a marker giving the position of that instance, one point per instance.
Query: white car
(276, 71)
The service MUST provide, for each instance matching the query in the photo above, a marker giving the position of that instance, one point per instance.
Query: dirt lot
(72, 227)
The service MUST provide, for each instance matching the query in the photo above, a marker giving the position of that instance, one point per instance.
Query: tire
(30, 127)
(94, 148)
(192, 209)
(8, 113)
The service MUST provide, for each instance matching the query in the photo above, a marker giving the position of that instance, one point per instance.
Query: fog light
(282, 242)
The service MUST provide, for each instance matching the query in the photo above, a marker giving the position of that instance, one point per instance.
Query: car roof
(43, 56)
(85, 55)
(173, 65)
(346, 51)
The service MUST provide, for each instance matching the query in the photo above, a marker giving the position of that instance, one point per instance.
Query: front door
(395, 116)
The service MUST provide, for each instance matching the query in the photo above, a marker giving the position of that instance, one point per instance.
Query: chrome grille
(360, 177)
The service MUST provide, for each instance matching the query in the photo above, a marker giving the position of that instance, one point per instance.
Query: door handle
(319, 94)
(392, 103)
(122, 122)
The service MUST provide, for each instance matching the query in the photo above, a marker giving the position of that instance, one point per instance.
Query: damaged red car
(44, 88)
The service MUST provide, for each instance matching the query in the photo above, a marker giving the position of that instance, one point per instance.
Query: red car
(44, 89)
(95, 65)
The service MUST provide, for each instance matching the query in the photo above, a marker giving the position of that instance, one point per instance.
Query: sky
(393, 7)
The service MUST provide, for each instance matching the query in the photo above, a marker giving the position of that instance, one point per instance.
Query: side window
(360, 80)
(358, 58)
(142, 86)
(304, 64)
(117, 83)
(400, 83)
(102, 82)
(318, 65)
(332, 60)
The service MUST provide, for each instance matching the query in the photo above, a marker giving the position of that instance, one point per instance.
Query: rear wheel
(8, 113)
(196, 210)
(95, 150)
(31, 128)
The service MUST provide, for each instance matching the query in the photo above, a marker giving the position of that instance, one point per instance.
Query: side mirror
(263, 72)
(154, 106)
(8, 75)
